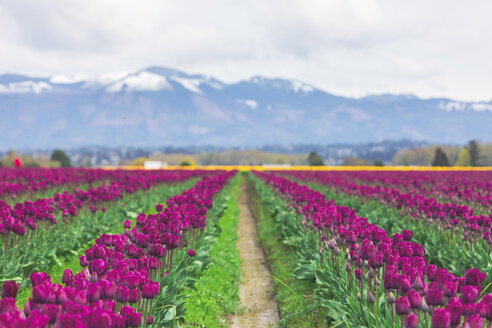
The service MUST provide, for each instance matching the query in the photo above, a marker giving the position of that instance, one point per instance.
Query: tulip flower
(412, 321)
(10, 289)
(402, 306)
(441, 319)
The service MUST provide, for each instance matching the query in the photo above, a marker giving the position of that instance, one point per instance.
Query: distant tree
(463, 158)
(61, 157)
(315, 160)
(378, 162)
(440, 158)
(424, 156)
(474, 151)
(187, 161)
(353, 161)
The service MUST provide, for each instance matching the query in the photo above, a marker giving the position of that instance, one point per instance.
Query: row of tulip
(457, 220)
(24, 218)
(19, 181)
(383, 275)
(459, 186)
(122, 274)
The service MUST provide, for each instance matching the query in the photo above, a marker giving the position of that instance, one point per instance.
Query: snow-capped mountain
(158, 106)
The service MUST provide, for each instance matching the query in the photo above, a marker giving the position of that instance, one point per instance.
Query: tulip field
(158, 248)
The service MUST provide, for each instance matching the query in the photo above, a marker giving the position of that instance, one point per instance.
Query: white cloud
(253, 104)
(352, 47)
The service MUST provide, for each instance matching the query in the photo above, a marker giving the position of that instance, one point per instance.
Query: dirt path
(261, 307)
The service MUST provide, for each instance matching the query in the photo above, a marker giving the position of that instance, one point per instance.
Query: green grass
(216, 294)
(298, 306)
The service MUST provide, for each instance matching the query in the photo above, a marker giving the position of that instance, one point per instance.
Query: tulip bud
(8, 305)
(412, 321)
(67, 277)
(474, 321)
(417, 284)
(10, 289)
(441, 319)
(434, 297)
(402, 306)
(391, 298)
(469, 294)
(83, 261)
(370, 298)
(415, 299)
(134, 295)
(348, 268)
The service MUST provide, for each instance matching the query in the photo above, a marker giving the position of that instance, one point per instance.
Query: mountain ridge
(159, 105)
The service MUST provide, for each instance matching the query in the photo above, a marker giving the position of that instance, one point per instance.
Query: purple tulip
(122, 294)
(407, 234)
(191, 252)
(469, 294)
(415, 299)
(83, 261)
(412, 321)
(431, 272)
(402, 306)
(38, 278)
(67, 277)
(404, 285)
(474, 277)
(133, 295)
(474, 321)
(359, 274)
(10, 289)
(441, 319)
(434, 297)
(8, 305)
(100, 319)
(127, 224)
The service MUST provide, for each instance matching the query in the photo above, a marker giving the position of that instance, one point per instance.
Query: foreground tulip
(67, 277)
(412, 321)
(474, 321)
(402, 306)
(10, 289)
(441, 319)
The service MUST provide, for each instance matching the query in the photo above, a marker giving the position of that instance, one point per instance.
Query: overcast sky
(354, 47)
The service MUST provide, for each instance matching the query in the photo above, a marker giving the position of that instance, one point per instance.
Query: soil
(259, 304)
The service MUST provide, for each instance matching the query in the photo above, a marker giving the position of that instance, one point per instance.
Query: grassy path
(255, 292)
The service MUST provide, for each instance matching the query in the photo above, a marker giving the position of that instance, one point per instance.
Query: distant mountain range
(158, 106)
